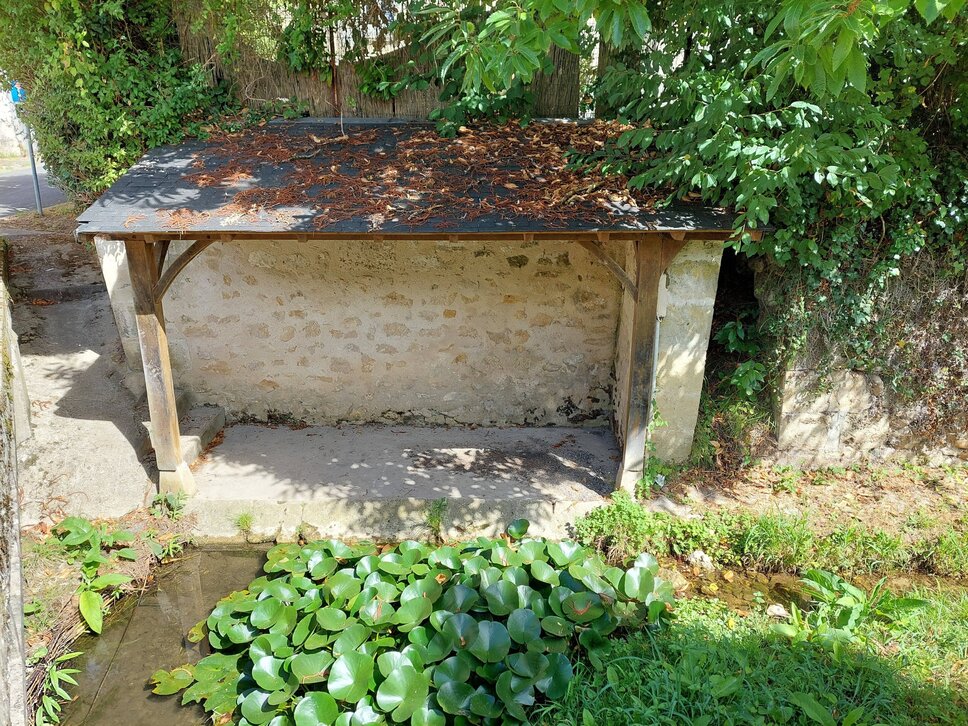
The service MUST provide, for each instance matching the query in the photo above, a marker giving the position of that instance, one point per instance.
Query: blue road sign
(17, 92)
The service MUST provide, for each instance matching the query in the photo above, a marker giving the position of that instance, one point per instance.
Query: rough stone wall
(12, 669)
(485, 333)
(841, 416)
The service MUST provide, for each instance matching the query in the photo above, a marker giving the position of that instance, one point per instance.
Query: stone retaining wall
(12, 668)
(425, 332)
(842, 416)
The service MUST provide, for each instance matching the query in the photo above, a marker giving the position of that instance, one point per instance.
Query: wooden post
(174, 474)
(652, 257)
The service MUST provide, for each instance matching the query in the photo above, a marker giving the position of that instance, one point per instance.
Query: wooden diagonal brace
(614, 267)
(179, 264)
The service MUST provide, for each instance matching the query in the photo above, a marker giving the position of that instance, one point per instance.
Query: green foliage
(91, 545)
(105, 81)
(711, 666)
(842, 613)
(655, 475)
(768, 542)
(341, 634)
(243, 522)
(853, 187)
(622, 528)
(53, 692)
(378, 79)
(171, 505)
(947, 554)
(777, 542)
(435, 517)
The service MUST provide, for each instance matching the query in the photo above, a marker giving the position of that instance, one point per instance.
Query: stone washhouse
(463, 326)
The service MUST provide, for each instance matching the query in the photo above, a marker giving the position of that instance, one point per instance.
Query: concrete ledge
(377, 519)
(199, 426)
(266, 483)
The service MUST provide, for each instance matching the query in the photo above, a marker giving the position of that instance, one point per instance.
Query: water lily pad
(390, 660)
(428, 714)
(394, 564)
(265, 613)
(413, 612)
(256, 709)
(367, 565)
(531, 666)
(493, 642)
(638, 583)
(454, 668)
(524, 626)
(518, 528)
(285, 621)
(461, 629)
(267, 673)
(447, 557)
(351, 639)
(505, 557)
(484, 704)
(321, 567)
(403, 692)
(515, 693)
(455, 697)
(240, 632)
(557, 677)
(531, 550)
(170, 682)
(303, 628)
(556, 626)
(350, 676)
(378, 611)
(281, 590)
(517, 575)
(564, 553)
(543, 572)
(582, 607)
(474, 565)
(344, 585)
(459, 599)
(266, 645)
(426, 588)
(311, 667)
(502, 597)
(316, 709)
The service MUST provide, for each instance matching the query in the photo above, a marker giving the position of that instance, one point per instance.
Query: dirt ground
(899, 499)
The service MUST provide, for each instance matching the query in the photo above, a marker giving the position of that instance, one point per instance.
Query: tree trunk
(556, 94)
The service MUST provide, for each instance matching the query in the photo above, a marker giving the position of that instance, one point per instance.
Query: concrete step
(398, 482)
(199, 426)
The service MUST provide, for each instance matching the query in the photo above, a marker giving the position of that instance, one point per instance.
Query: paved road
(17, 191)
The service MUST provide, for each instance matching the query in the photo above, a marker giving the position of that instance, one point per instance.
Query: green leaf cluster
(358, 634)
(105, 81)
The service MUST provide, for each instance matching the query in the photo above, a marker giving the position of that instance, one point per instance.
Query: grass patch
(769, 542)
(947, 554)
(711, 666)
